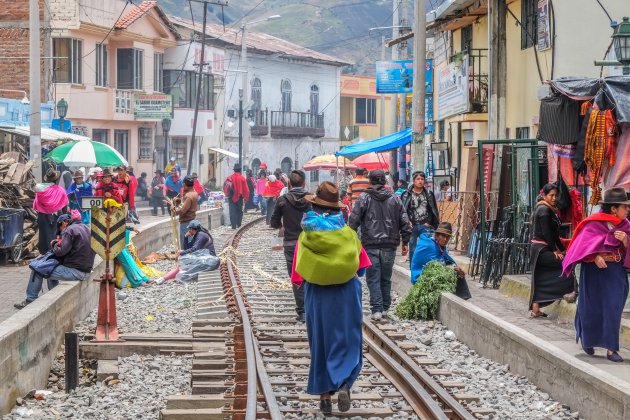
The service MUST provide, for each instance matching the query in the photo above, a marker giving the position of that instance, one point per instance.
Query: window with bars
(314, 99)
(529, 23)
(121, 142)
(467, 38)
(145, 143)
(68, 68)
(285, 88)
(256, 96)
(522, 132)
(101, 65)
(158, 72)
(365, 111)
(130, 65)
(183, 86)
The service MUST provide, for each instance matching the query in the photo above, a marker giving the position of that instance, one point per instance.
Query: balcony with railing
(478, 80)
(288, 124)
(123, 103)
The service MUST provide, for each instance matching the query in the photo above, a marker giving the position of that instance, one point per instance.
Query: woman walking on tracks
(328, 256)
(547, 252)
(600, 243)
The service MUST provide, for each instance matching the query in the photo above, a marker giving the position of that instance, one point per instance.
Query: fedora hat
(77, 174)
(445, 228)
(107, 172)
(51, 175)
(327, 195)
(616, 195)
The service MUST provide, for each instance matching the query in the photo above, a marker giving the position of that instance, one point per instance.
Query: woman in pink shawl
(600, 244)
(50, 200)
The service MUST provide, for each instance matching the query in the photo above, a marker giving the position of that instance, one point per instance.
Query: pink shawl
(50, 200)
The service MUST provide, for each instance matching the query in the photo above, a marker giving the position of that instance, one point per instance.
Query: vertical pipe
(202, 60)
(240, 127)
(244, 78)
(482, 203)
(72, 361)
(402, 116)
(35, 141)
(382, 102)
(393, 160)
(419, 84)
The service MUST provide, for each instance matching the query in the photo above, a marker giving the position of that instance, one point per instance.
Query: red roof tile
(135, 14)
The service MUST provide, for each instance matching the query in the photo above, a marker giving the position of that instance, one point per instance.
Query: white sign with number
(88, 202)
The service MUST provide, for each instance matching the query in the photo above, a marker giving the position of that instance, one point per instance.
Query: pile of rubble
(17, 191)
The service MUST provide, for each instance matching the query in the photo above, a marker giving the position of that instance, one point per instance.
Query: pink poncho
(50, 199)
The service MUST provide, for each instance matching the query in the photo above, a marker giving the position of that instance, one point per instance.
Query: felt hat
(237, 167)
(123, 167)
(615, 195)
(77, 174)
(106, 172)
(327, 195)
(445, 228)
(51, 175)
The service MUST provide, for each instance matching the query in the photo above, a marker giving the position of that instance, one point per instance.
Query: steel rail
(379, 343)
(255, 370)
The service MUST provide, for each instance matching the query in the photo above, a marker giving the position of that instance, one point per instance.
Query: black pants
(236, 213)
(298, 292)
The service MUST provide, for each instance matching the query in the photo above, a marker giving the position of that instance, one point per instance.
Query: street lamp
(166, 127)
(245, 76)
(62, 111)
(621, 41)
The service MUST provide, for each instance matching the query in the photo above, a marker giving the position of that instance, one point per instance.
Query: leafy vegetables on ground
(423, 299)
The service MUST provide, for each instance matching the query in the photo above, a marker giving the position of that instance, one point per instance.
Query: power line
(112, 28)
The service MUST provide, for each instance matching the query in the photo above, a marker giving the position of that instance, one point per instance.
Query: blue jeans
(379, 277)
(183, 227)
(263, 205)
(61, 272)
(413, 240)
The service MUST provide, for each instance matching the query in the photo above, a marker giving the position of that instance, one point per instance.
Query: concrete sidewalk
(14, 279)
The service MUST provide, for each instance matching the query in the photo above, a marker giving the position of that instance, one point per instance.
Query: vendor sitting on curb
(196, 238)
(434, 249)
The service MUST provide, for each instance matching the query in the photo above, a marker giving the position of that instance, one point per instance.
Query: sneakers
(377, 316)
(22, 304)
(160, 280)
(343, 398)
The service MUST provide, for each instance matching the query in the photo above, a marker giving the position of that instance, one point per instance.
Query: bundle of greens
(423, 299)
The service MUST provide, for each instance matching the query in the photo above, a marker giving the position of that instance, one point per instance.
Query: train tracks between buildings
(256, 358)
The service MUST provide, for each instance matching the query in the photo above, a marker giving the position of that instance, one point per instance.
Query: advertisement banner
(152, 107)
(452, 95)
(543, 35)
(397, 76)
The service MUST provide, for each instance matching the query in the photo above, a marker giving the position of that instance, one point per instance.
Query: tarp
(609, 93)
(47, 134)
(381, 144)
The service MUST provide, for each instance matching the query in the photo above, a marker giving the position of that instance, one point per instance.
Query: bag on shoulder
(228, 188)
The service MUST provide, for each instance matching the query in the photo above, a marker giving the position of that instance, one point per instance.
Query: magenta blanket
(50, 200)
(594, 238)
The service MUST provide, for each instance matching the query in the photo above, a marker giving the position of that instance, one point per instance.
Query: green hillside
(336, 27)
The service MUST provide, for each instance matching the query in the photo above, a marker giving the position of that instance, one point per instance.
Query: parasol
(86, 153)
(328, 162)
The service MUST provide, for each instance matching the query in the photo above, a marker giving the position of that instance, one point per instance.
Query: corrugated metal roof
(48, 134)
(258, 42)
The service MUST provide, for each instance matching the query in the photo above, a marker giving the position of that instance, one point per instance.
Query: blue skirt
(333, 324)
(603, 294)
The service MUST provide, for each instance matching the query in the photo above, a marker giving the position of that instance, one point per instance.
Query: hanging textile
(599, 148)
(559, 163)
(619, 175)
(559, 120)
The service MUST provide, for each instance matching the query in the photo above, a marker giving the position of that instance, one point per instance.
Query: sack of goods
(194, 263)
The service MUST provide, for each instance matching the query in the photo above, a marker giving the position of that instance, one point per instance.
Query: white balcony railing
(122, 102)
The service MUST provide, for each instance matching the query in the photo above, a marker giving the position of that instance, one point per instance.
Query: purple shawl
(594, 238)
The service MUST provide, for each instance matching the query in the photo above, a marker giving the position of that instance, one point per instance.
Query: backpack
(228, 187)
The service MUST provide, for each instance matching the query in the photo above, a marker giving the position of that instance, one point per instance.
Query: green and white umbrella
(86, 153)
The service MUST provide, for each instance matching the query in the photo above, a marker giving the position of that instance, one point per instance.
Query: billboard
(152, 107)
(452, 95)
(397, 76)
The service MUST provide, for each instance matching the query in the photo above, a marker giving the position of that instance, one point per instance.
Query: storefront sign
(397, 76)
(452, 94)
(152, 107)
(543, 35)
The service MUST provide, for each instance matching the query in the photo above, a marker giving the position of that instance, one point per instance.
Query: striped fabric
(356, 187)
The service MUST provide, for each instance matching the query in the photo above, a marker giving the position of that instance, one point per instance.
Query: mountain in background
(336, 27)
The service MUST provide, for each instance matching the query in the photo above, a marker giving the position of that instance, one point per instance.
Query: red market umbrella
(373, 160)
(328, 162)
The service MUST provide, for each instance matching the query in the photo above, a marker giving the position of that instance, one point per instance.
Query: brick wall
(14, 42)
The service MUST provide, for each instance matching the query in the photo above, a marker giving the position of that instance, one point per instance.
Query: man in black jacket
(421, 207)
(383, 221)
(288, 213)
(72, 249)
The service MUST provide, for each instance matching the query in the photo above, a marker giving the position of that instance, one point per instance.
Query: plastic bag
(192, 264)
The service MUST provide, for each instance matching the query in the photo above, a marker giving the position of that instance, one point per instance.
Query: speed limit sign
(88, 202)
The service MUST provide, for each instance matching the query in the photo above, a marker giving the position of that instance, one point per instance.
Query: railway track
(261, 369)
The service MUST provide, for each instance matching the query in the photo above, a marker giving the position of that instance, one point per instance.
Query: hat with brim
(615, 195)
(444, 228)
(327, 196)
(106, 172)
(52, 175)
(77, 174)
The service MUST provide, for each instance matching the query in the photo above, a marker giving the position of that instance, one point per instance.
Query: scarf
(328, 252)
(51, 199)
(173, 184)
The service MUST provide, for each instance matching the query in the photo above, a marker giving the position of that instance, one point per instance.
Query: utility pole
(243, 99)
(35, 118)
(393, 159)
(202, 63)
(382, 105)
(402, 117)
(240, 127)
(419, 84)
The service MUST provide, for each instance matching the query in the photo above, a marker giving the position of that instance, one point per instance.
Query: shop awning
(381, 144)
(48, 134)
(224, 152)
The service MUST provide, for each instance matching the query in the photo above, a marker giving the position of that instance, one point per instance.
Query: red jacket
(128, 186)
(238, 185)
(273, 189)
(111, 188)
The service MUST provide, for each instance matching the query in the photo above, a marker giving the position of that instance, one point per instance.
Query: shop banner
(152, 107)
(397, 76)
(543, 35)
(452, 96)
